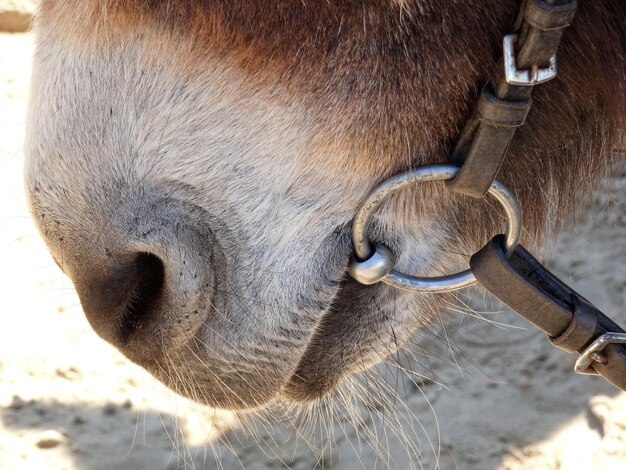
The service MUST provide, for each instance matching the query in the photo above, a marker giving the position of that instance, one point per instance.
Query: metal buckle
(594, 352)
(528, 77)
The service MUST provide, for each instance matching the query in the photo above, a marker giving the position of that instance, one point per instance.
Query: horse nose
(121, 301)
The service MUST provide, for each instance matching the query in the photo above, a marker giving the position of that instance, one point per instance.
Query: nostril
(143, 295)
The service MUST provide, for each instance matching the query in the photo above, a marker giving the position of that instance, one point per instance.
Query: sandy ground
(496, 397)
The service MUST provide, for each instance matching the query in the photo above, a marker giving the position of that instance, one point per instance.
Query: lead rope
(503, 267)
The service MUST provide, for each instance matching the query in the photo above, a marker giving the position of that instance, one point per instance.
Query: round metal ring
(364, 250)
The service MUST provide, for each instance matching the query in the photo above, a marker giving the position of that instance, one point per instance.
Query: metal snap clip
(584, 364)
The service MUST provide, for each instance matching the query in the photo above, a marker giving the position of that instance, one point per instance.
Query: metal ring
(363, 249)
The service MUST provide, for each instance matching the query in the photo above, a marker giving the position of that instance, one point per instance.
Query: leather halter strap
(512, 274)
(520, 280)
(570, 321)
(505, 101)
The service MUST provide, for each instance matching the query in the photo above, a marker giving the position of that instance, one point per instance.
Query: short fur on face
(233, 141)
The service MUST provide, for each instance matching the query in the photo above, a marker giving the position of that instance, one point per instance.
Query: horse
(194, 167)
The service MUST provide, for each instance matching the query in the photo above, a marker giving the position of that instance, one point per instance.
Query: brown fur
(402, 77)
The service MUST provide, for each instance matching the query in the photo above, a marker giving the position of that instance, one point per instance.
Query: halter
(503, 267)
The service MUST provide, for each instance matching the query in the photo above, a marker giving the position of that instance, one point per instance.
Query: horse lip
(301, 389)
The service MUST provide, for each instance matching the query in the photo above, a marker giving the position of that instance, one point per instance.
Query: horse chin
(364, 326)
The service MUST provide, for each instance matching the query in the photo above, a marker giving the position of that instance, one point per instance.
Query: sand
(496, 394)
